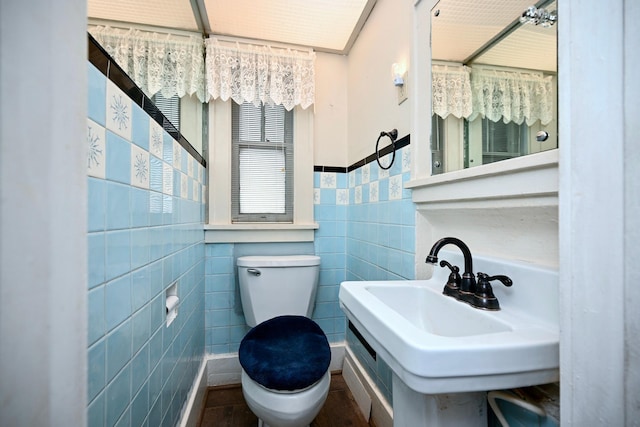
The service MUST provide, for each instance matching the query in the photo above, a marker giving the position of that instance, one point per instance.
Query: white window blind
(502, 141)
(262, 163)
(170, 107)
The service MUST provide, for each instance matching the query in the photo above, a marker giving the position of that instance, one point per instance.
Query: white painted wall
(373, 104)
(43, 196)
(599, 212)
(330, 110)
(191, 121)
(497, 214)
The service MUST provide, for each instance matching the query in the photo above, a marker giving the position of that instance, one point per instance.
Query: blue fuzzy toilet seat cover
(285, 353)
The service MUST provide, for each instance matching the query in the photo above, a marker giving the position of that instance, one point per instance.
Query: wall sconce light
(398, 71)
(399, 74)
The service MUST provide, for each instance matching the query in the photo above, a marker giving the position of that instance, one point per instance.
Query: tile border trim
(107, 66)
(400, 143)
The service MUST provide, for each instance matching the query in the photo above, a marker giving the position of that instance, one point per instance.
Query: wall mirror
(494, 81)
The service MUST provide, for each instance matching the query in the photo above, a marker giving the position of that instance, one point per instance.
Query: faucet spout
(468, 284)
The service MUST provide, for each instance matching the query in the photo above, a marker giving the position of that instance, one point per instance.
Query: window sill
(258, 233)
(521, 182)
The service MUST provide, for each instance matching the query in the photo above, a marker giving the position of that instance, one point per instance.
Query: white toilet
(285, 356)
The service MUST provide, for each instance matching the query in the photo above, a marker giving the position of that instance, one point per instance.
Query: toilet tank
(272, 286)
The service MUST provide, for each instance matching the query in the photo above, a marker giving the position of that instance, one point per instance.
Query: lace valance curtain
(512, 96)
(249, 73)
(451, 91)
(165, 63)
(494, 94)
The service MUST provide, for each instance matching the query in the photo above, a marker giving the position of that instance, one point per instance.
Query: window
(221, 226)
(170, 107)
(185, 115)
(262, 164)
(502, 141)
(437, 145)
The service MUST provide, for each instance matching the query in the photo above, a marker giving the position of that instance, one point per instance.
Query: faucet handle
(484, 297)
(501, 277)
(453, 268)
(452, 288)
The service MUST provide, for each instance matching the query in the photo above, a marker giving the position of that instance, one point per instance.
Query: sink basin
(424, 309)
(436, 345)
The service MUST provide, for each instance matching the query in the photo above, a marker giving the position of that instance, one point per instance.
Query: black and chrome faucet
(465, 288)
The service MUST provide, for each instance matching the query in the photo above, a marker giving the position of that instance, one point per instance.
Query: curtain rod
(256, 42)
(142, 27)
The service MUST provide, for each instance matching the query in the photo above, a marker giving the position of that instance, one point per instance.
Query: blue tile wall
(381, 222)
(144, 235)
(380, 240)
(377, 369)
(330, 212)
(225, 324)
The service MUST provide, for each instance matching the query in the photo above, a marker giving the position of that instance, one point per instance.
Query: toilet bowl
(285, 357)
(285, 409)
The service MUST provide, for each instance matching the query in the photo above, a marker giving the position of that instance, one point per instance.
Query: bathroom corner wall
(381, 221)
(380, 240)
(145, 233)
(330, 211)
(224, 322)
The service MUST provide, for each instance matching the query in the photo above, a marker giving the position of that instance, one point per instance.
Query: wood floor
(225, 407)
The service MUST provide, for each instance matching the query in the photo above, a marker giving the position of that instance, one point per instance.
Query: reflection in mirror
(494, 81)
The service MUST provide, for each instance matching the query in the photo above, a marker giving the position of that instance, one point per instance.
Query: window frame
(286, 146)
(220, 228)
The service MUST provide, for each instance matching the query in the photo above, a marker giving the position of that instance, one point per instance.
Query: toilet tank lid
(278, 261)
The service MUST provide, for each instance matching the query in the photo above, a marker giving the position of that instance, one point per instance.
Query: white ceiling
(325, 25)
(462, 27)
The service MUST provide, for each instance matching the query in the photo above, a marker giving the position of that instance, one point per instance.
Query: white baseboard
(190, 414)
(225, 369)
(381, 412)
(337, 356)
(358, 390)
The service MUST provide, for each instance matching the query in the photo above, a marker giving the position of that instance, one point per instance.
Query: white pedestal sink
(444, 354)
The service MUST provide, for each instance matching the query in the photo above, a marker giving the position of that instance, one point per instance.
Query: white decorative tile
(190, 162)
(358, 195)
(97, 153)
(140, 170)
(177, 155)
(195, 196)
(406, 159)
(155, 174)
(203, 197)
(156, 138)
(352, 179)
(366, 173)
(118, 111)
(373, 191)
(395, 187)
(184, 186)
(327, 180)
(383, 173)
(316, 196)
(167, 179)
(342, 196)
